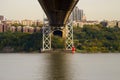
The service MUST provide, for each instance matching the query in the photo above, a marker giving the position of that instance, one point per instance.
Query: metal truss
(69, 37)
(46, 38)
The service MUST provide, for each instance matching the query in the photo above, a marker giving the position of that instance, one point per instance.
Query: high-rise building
(26, 29)
(77, 14)
(27, 22)
(19, 29)
(112, 24)
(37, 23)
(1, 27)
(31, 29)
(118, 24)
(1, 18)
(37, 29)
(13, 28)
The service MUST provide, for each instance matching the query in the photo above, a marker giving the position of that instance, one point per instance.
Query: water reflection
(58, 67)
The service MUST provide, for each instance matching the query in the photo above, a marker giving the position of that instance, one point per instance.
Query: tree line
(18, 41)
(96, 38)
(90, 38)
(25, 42)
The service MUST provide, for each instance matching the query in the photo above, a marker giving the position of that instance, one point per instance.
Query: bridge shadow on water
(58, 67)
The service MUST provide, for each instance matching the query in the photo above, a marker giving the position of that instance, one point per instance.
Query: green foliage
(58, 42)
(26, 42)
(95, 38)
(90, 38)
(21, 41)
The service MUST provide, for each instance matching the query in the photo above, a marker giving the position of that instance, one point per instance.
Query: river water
(59, 66)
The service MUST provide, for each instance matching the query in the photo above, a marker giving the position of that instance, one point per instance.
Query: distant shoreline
(55, 51)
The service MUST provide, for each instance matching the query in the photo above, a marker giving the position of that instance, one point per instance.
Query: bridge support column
(69, 37)
(46, 38)
(47, 32)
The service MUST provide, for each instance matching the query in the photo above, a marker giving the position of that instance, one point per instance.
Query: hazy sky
(30, 9)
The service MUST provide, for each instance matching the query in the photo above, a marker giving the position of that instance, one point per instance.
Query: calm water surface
(59, 66)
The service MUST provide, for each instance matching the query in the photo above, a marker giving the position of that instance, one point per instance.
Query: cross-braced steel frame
(46, 38)
(69, 37)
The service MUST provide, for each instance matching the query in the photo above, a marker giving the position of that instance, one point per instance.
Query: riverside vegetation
(90, 38)
(96, 38)
(20, 42)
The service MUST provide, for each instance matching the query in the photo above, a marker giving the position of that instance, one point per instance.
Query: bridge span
(57, 12)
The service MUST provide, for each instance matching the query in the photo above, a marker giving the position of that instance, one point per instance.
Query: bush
(58, 42)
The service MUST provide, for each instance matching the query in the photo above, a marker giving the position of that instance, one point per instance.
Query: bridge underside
(58, 11)
(58, 33)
